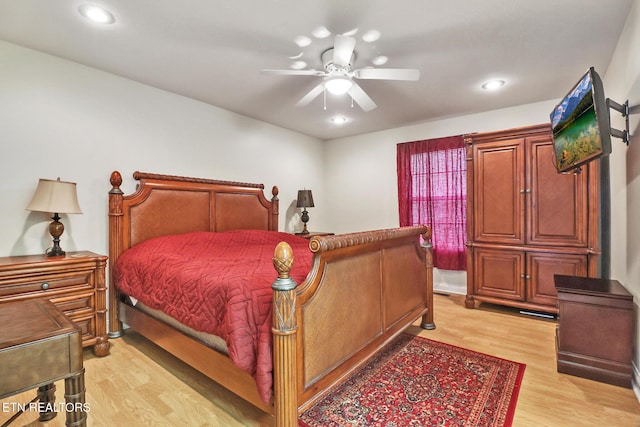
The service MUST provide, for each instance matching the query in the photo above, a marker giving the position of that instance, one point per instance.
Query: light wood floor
(139, 384)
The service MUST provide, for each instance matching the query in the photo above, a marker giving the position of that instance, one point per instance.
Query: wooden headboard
(166, 204)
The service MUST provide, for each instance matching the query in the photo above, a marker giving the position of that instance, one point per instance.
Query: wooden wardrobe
(525, 221)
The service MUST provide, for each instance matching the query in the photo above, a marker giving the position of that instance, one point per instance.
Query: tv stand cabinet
(595, 329)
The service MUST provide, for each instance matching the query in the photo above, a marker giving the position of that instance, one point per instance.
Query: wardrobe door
(499, 190)
(499, 273)
(557, 204)
(542, 266)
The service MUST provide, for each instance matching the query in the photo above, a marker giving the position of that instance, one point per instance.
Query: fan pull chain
(324, 95)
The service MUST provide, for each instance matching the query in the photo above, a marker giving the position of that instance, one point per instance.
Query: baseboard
(447, 288)
(635, 381)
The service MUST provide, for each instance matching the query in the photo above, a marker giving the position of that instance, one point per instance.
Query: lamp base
(56, 252)
(56, 229)
(305, 219)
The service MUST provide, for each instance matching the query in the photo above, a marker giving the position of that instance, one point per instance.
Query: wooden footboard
(363, 290)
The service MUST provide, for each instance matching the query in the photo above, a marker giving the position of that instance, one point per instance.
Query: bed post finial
(284, 338)
(275, 203)
(116, 182)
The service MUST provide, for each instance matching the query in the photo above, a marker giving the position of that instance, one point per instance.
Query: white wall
(622, 82)
(61, 119)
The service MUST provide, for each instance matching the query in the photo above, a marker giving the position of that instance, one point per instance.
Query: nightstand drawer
(87, 326)
(77, 303)
(45, 284)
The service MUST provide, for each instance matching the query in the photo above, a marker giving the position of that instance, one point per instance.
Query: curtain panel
(432, 190)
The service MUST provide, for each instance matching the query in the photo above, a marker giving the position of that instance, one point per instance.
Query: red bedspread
(218, 283)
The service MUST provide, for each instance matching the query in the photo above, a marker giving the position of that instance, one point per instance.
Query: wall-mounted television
(580, 124)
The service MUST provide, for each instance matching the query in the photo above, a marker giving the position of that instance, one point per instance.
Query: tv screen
(580, 124)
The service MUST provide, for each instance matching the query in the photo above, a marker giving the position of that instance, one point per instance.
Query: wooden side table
(311, 234)
(595, 329)
(38, 346)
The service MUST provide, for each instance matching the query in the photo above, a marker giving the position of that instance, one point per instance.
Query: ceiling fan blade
(387, 73)
(361, 98)
(343, 49)
(295, 72)
(313, 93)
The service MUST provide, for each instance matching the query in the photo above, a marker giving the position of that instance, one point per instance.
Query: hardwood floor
(139, 384)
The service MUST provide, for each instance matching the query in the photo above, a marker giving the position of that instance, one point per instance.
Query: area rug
(419, 382)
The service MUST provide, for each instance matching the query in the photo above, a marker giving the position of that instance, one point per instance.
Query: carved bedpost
(276, 208)
(284, 339)
(427, 318)
(115, 249)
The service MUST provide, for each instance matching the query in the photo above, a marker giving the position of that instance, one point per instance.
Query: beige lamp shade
(55, 197)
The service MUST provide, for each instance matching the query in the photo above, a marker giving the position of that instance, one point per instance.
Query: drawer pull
(44, 286)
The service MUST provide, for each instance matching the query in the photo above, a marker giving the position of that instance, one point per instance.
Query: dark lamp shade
(305, 199)
(55, 197)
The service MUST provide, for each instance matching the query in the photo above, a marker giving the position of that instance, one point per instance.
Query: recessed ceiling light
(302, 41)
(371, 36)
(380, 60)
(321, 32)
(493, 84)
(338, 120)
(96, 14)
(298, 65)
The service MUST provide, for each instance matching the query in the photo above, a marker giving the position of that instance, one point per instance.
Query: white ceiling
(214, 51)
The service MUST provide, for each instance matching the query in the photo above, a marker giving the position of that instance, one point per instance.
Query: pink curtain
(432, 190)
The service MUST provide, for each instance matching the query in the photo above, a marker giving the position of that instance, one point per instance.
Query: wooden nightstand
(311, 234)
(75, 283)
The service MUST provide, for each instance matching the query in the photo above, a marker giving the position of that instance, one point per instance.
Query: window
(432, 190)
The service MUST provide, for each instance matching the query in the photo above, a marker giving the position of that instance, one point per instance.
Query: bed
(361, 291)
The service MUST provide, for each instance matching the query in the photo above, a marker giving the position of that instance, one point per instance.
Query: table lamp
(305, 200)
(55, 197)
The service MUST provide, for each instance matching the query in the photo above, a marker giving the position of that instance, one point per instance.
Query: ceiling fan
(338, 74)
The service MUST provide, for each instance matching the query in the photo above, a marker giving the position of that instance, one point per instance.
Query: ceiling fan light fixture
(338, 85)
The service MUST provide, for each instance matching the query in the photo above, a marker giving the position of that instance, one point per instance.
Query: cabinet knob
(44, 286)
(525, 276)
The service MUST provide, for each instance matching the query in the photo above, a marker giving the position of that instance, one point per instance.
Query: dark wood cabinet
(525, 221)
(595, 329)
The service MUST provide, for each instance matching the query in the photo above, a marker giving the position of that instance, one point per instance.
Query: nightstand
(311, 234)
(74, 283)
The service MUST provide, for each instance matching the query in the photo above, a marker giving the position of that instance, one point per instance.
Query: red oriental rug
(419, 382)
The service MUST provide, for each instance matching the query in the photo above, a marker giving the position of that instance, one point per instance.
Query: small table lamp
(55, 197)
(305, 200)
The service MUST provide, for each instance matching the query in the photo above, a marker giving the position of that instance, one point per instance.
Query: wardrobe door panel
(499, 192)
(499, 273)
(541, 267)
(557, 203)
